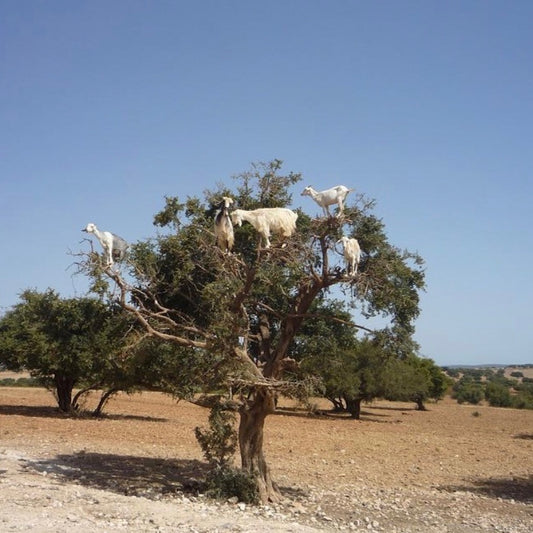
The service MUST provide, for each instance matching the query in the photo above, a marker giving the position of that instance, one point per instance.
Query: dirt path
(454, 468)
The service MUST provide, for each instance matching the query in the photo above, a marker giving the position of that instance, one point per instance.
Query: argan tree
(414, 379)
(64, 343)
(236, 316)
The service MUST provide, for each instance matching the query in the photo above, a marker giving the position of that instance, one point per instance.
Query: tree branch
(144, 315)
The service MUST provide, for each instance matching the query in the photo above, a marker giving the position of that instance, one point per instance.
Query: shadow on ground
(126, 474)
(524, 436)
(46, 411)
(32, 411)
(322, 414)
(129, 475)
(516, 488)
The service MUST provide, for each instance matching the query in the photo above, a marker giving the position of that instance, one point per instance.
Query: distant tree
(452, 371)
(65, 343)
(440, 382)
(407, 380)
(524, 395)
(350, 375)
(477, 374)
(324, 346)
(486, 372)
(517, 374)
(466, 390)
(502, 380)
(498, 395)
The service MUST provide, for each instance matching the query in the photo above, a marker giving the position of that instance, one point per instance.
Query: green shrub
(20, 382)
(523, 400)
(468, 392)
(219, 442)
(498, 395)
(227, 482)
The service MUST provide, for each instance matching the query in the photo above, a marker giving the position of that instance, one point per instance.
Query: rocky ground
(451, 469)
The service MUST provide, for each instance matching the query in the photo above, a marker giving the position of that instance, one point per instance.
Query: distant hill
(508, 370)
(529, 365)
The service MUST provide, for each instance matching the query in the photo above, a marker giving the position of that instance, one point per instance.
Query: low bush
(227, 482)
(20, 382)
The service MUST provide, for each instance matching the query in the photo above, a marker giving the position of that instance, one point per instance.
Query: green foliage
(471, 393)
(164, 366)
(524, 395)
(406, 380)
(351, 370)
(329, 329)
(224, 483)
(263, 186)
(204, 290)
(219, 442)
(452, 372)
(19, 382)
(477, 384)
(62, 342)
(414, 379)
(355, 369)
(169, 215)
(477, 374)
(239, 319)
(498, 395)
(466, 390)
(526, 386)
(439, 381)
(500, 379)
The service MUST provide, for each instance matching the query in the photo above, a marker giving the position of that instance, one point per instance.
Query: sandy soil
(453, 468)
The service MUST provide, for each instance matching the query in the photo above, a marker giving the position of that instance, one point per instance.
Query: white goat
(225, 237)
(114, 246)
(352, 254)
(335, 195)
(268, 220)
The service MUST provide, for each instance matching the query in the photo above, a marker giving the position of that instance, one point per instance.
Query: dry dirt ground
(451, 469)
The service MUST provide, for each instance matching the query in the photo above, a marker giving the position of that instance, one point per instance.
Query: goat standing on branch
(225, 237)
(335, 195)
(352, 254)
(115, 247)
(268, 220)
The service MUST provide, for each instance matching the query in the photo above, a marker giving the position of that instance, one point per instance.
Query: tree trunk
(103, 400)
(338, 406)
(251, 431)
(420, 404)
(354, 407)
(75, 404)
(64, 385)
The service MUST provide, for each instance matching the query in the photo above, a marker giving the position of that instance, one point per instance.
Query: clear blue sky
(427, 106)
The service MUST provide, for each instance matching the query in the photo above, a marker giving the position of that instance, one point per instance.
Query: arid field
(454, 468)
